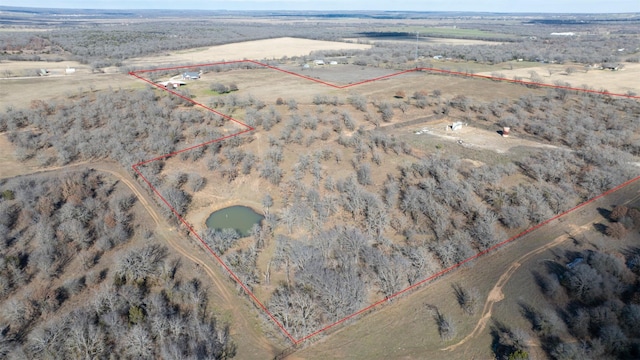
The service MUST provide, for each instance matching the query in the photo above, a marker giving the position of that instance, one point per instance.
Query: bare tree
(267, 202)
(446, 326)
(468, 299)
(386, 111)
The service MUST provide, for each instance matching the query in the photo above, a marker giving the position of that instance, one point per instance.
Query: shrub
(616, 230)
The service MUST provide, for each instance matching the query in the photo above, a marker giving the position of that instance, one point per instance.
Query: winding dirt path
(241, 322)
(171, 237)
(496, 294)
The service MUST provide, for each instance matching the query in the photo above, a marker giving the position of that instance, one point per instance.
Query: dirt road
(245, 327)
(406, 330)
(496, 294)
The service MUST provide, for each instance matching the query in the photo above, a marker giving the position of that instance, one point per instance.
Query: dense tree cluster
(59, 299)
(339, 238)
(595, 295)
(444, 209)
(127, 126)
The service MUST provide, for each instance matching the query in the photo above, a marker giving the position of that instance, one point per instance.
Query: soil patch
(472, 137)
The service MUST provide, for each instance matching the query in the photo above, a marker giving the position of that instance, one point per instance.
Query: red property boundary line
(248, 128)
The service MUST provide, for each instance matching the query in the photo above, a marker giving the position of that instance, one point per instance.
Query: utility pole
(417, 33)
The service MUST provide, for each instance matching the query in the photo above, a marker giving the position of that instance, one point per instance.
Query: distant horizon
(499, 6)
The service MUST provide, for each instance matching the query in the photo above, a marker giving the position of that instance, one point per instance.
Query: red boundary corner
(248, 128)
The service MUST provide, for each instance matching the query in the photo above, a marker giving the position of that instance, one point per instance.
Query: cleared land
(12, 68)
(471, 137)
(24, 85)
(259, 49)
(19, 92)
(449, 31)
(268, 85)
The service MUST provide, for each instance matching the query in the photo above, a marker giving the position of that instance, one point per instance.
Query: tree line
(109, 45)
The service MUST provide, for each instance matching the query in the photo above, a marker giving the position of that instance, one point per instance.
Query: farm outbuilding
(457, 126)
(611, 66)
(172, 83)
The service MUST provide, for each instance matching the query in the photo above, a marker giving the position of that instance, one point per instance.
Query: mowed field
(253, 50)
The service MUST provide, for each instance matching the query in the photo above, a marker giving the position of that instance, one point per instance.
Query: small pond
(239, 218)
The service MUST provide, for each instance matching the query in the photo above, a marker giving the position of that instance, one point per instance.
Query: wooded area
(109, 45)
(594, 294)
(353, 232)
(70, 287)
(354, 211)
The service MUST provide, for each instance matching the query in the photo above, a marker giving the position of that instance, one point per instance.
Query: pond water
(239, 218)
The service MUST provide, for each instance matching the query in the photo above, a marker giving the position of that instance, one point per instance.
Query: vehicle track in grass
(241, 323)
(496, 294)
(168, 233)
(171, 237)
(247, 128)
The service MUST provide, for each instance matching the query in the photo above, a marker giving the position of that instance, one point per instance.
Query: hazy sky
(413, 5)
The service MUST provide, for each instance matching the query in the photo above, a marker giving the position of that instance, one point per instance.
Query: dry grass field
(19, 92)
(22, 84)
(268, 85)
(12, 68)
(618, 82)
(254, 50)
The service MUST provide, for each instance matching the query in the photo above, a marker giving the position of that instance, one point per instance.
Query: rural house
(190, 75)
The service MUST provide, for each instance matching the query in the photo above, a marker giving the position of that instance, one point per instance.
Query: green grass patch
(449, 32)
